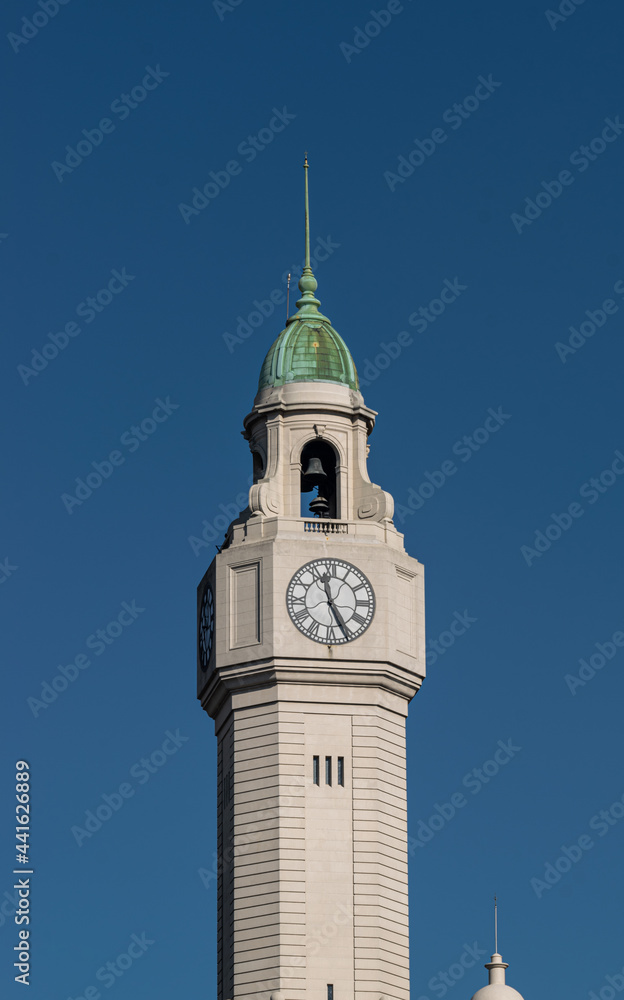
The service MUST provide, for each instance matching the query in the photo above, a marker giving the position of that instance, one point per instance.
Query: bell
(313, 476)
(319, 506)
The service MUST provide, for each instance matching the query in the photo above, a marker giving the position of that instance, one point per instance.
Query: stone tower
(310, 646)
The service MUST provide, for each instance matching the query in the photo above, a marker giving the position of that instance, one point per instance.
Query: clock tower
(310, 646)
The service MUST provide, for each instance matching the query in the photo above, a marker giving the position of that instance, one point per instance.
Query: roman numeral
(358, 618)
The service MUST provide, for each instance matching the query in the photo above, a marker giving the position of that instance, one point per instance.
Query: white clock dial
(206, 627)
(330, 601)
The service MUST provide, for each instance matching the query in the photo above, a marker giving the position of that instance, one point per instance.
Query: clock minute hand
(339, 618)
(337, 614)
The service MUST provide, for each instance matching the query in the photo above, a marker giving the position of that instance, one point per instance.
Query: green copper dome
(309, 349)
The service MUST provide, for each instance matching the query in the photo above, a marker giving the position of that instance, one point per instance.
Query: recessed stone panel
(244, 605)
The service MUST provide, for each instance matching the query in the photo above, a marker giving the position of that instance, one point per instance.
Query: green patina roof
(309, 349)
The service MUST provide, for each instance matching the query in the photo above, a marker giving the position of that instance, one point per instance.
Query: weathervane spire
(307, 214)
(308, 304)
(495, 925)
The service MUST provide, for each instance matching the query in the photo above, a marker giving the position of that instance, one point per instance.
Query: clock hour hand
(325, 580)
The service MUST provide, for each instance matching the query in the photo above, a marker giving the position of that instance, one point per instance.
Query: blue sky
(512, 196)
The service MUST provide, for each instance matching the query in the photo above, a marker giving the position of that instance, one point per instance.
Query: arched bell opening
(319, 477)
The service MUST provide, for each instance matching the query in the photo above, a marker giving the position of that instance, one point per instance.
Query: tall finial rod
(307, 214)
(307, 305)
(495, 925)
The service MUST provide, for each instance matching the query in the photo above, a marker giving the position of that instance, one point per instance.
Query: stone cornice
(225, 684)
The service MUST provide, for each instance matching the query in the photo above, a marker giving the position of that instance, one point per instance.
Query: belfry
(310, 647)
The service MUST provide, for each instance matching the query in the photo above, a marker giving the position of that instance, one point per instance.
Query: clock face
(330, 601)
(206, 627)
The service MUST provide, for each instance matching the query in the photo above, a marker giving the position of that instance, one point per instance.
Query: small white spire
(496, 967)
